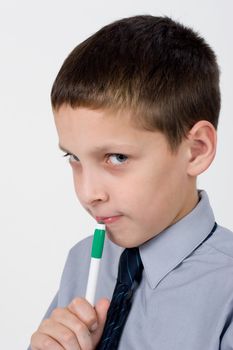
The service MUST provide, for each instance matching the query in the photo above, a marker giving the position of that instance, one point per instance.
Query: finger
(85, 312)
(40, 341)
(101, 308)
(71, 321)
(63, 335)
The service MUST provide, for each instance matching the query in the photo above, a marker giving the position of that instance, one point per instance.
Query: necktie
(129, 276)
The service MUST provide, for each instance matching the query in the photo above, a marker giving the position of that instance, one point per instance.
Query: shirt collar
(168, 249)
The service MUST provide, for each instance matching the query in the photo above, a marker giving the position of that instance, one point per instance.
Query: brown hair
(163, 73)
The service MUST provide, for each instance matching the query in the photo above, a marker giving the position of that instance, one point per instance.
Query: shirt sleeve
(74, 276)
(52, 306)
(227, 337)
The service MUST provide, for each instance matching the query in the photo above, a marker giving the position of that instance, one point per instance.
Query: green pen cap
(98, 241)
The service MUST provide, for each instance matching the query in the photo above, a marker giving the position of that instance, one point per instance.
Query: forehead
(68, 117)
(95, 122)
(102, 128)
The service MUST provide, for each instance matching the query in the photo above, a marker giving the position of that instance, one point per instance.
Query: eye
(71, 157)
(117, 158)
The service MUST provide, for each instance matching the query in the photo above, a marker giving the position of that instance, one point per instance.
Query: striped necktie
(129, 276)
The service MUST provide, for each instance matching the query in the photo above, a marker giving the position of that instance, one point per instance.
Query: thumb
(101, 309)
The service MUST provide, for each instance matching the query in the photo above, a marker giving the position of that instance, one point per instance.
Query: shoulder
(81, 249)
(80, 255)
(75, 273)
(222, 242)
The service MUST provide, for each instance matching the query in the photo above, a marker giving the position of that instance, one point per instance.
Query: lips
(108, 219)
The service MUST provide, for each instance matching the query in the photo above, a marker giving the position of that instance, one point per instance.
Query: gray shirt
(185, 299)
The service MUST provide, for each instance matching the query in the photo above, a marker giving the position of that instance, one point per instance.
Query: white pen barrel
(92, 280)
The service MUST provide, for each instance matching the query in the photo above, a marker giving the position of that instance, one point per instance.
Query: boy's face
(124, 175)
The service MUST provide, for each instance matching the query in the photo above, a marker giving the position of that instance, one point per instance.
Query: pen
(96, 255)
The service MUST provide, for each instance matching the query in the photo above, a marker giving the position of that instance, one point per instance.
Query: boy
(136, 108)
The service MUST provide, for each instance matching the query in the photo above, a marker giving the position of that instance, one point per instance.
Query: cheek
(136, 195)
(153, 192)
(75, 182)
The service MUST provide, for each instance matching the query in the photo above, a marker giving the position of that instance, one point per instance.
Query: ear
(202, 141)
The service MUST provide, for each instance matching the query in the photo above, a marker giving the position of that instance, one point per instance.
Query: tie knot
(130, 267)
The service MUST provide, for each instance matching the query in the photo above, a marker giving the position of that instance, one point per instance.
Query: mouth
(108, 219)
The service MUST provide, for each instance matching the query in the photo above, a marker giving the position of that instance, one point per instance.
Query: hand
(79, 326)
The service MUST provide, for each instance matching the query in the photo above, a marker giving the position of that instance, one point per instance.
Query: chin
(121, 242)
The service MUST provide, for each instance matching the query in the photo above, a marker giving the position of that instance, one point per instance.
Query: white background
(40, 216)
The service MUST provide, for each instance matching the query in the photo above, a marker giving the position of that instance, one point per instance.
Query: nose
(90, 187)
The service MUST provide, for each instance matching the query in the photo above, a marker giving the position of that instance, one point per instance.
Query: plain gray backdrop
(40, 216)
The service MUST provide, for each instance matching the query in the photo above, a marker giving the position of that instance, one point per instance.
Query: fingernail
(94, 327)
